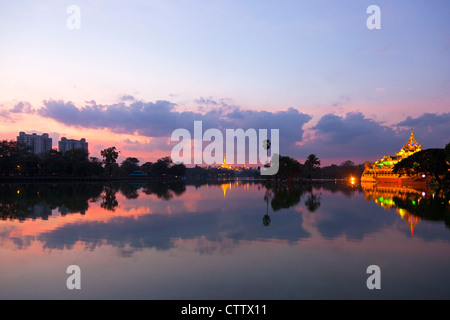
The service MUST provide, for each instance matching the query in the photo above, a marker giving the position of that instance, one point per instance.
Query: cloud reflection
(158, 216)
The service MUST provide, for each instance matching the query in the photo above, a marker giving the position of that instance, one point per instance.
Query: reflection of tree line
(426, 205)
(162, 190)
(430, 208)
(38, 200)
(287, 195)
(434, 207)
(19, 201)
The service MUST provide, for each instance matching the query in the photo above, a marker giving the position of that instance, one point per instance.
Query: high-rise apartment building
(68, 144)
(37, 143)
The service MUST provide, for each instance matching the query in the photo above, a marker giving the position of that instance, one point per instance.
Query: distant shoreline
(27, 179)
(79, 179)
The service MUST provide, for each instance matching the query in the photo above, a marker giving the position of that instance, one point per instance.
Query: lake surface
(223, 240)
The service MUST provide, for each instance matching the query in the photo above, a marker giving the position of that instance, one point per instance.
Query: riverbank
(18, 179)
(53, 179)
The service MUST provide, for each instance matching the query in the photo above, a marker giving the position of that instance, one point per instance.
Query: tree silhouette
(312, 163)
(313, 202)
(109, 202)
(447, 161)
(285, 196)
(288, 168)
(130, 164)
(110, 156)
(11, 155)
(430, 162)
(266, 218)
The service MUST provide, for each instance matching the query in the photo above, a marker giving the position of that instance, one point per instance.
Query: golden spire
(411, 145)
(411, 137)
(224, 165)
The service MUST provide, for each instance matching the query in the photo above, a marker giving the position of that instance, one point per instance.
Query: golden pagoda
(381, 170)
(224, 165)
(411, 146)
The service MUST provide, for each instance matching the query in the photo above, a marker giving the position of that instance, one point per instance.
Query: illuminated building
(224, 165)
(380, 171)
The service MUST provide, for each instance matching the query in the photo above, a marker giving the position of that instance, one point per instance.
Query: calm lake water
(223, 240)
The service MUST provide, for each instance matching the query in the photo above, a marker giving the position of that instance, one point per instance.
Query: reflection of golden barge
(380, 171)
(385, 195)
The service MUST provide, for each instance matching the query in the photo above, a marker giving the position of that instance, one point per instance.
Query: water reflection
(109, 200)
(411, 204)
(165, 190)
(267, 197)
(33, 201)
(285, 196)
(313, 201)
(167, 237)
(38, 200)
(288, 195)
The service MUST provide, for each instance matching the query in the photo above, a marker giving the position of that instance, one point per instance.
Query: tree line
(16, 159)
(290, 168)
(430, 162)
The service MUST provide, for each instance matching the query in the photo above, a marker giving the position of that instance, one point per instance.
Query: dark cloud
(5, 114)
(208, 104)
(210, 101)
(132, 145)
(430, 129)
(127, 98)
(289, 122)
(148, 119)
(160, 119)
(22, 107)
(207, 101)
(161, 143)
(354, 136)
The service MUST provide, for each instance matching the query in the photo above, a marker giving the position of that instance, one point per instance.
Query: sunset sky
(137, 70)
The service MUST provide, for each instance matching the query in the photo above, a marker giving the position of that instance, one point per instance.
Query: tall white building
(38, 143)
(68, 144)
